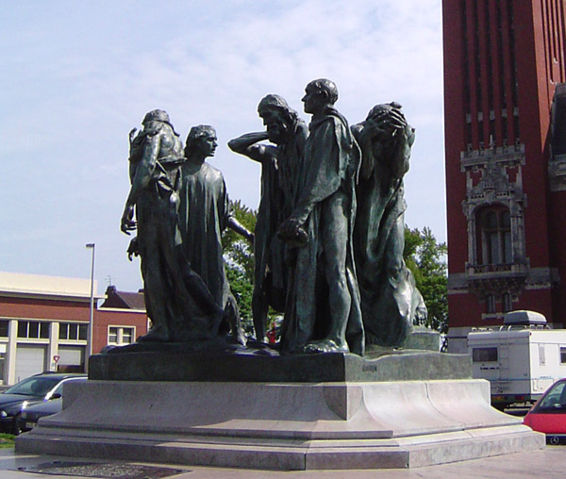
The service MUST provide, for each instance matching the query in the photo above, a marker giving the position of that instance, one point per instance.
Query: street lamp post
(91, 318)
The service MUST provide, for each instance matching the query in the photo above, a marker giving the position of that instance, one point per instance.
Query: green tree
(242, 289)
(239, 259)
(238, 252)
(424, 255)
(426, 258)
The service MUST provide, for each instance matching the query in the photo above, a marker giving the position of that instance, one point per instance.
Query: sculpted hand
(392, 121)
(128, 224)
(291, 231)
(288, 228)
(133, 248)
(132, 134)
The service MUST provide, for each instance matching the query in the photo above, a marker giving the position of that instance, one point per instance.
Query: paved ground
(549, 463)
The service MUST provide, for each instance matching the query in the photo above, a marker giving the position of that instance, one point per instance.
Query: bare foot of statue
(326, 346)
(239, 337)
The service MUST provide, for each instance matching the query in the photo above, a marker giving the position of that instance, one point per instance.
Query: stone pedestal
(176, 364)
(281, 425)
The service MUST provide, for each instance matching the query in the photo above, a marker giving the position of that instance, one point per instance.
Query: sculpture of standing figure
(323, 308)
(390, 299)
(281, 166)
(204, 213)
(177, 301)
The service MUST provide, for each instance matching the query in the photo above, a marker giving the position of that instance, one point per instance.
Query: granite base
(327, 425)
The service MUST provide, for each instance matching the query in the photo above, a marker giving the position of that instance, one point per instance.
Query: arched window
(494, 236)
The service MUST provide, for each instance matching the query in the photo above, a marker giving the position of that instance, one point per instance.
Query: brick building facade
(504, 63)
(44, 323)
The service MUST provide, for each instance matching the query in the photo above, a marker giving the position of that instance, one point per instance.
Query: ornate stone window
(497, 265)
(494, 209)
(493, 226)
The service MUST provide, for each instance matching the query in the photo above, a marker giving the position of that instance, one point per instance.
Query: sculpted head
(384, 121)
(384, 109)
(319, 94)
(201, 141)
(277, 117)
(388, 116)
(155, 118)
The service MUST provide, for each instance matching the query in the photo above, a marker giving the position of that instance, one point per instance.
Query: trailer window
(484, 354)
(541, 355)
(562, 354)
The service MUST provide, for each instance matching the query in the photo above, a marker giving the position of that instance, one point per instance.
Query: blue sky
(77, 76)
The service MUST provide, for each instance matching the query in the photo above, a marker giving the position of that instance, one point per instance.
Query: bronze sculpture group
(329, 238)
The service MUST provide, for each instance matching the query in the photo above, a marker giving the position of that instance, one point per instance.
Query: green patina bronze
(390, 299)
(204, 213)
(177, 300)
(180, 206)
(329, 236)
(281, 168)
(323, 304)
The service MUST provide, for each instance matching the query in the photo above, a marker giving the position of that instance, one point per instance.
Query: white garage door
(71, 359)
(30, 359)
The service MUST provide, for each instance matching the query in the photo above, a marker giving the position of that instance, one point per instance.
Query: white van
(520, 359)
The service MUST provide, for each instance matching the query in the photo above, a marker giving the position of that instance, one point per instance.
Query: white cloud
(78, 77)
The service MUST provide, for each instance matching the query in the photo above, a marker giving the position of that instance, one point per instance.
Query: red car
(548, 415)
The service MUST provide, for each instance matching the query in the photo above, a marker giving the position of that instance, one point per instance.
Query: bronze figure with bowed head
(390, 300)
(281, 166)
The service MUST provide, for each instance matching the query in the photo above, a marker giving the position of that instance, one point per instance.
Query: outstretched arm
(364, 133)
(239, 228)
(246, 145)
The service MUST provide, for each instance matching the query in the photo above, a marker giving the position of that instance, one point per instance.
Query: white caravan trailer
(520, 359)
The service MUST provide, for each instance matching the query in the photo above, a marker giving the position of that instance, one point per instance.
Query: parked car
(29, 415)
(35, 389)
(548, 415)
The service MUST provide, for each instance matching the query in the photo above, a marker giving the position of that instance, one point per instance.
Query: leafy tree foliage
(426, 258)
(424, 255)
(238, 254)
(238, 251)
(242, 289)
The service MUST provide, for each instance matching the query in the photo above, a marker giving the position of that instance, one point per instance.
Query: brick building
(44, 323)
(120, 319)
(504, 63)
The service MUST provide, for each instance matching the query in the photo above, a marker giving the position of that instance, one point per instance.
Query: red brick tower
(506, 190)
